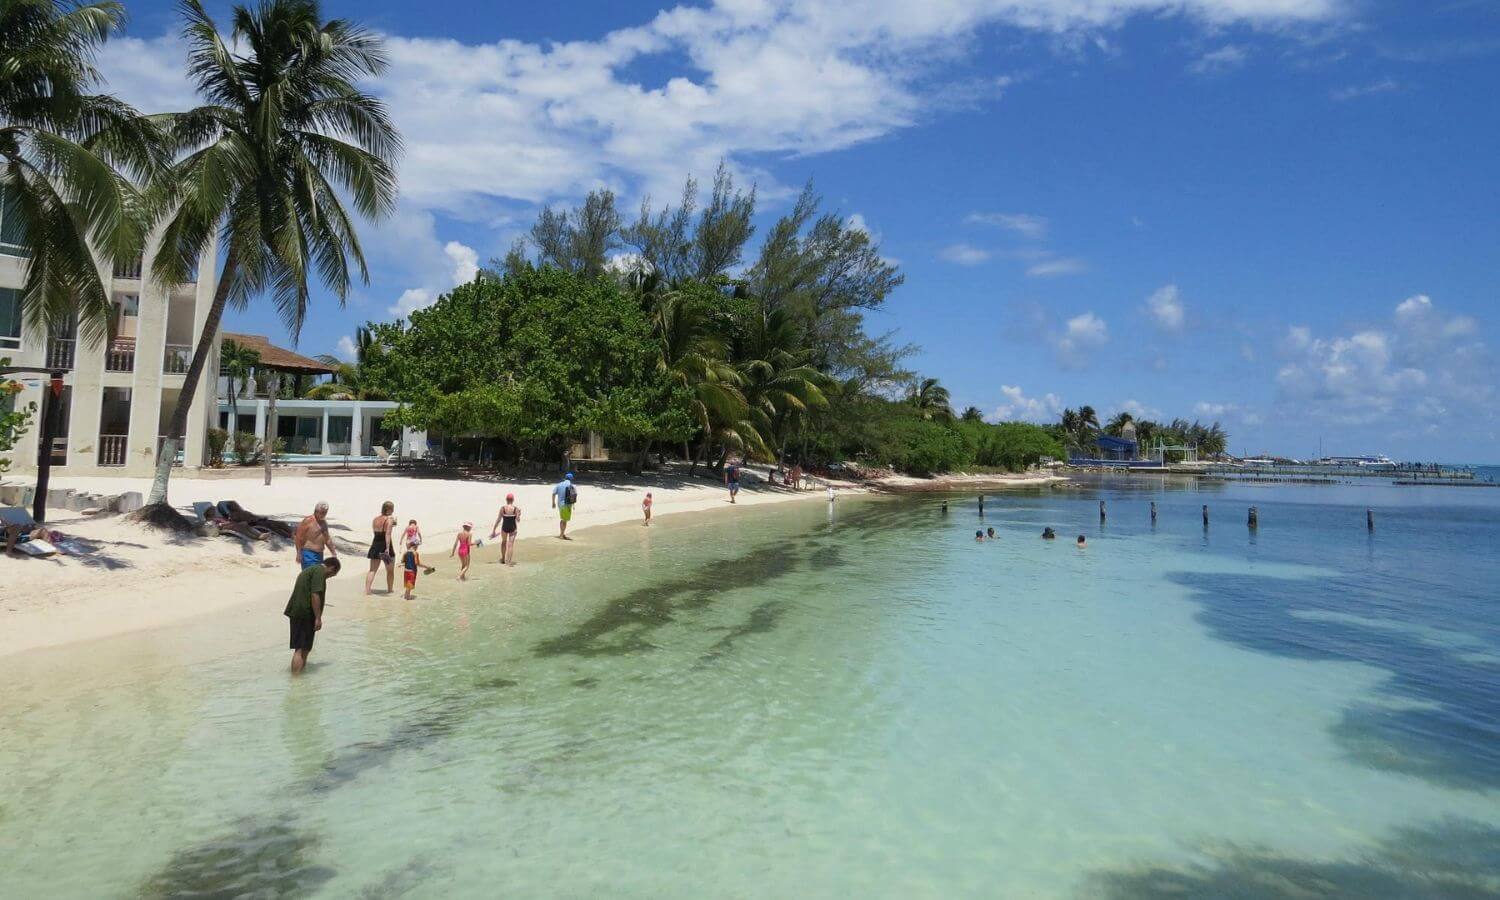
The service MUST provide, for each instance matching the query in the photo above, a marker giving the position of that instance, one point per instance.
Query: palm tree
(931, 400)
(778, 383)
(285, 132)
(694, 359)
(972, 414)
(1118, 423)
(350, 380)
(237, 362)
(67, 158)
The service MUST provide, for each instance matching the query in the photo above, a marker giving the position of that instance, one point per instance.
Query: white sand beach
(137, 578)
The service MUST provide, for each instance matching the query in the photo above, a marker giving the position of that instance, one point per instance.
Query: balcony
(112, 449)
(120, 357)
(61, 353)
(177, 359)
(130, 269)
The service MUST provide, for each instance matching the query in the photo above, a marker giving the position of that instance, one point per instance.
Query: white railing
(120, 357)
(112, 449)
(61, 352)
(177, 359)
(128, 269)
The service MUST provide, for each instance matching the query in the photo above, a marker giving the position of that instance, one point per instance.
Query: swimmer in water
(979, 536)
(1048, 534)
(989, 534)
(1082, 542)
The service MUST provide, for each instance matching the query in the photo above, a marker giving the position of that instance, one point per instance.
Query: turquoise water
(814, 702)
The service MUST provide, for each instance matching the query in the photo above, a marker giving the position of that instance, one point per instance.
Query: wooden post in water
(1153, 512)
(1101, 512)
(1370, 519)
(1254, 518)
(1205, 515)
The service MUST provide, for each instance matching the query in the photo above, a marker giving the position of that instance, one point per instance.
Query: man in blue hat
(564, 495)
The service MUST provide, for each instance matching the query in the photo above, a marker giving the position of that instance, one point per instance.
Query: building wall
(146, 382)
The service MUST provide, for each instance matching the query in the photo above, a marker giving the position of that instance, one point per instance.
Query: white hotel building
(118, 394)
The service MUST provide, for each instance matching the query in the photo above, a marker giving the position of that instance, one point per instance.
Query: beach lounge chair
(384, 456)
(20, 532)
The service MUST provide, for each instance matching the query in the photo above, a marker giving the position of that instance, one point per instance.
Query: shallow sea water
(811, 701)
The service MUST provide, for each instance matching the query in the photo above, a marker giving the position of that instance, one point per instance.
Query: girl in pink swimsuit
(463, 544)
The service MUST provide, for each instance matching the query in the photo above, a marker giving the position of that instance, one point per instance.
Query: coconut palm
(778, 383)
(972, 414)
(1118, 423)
(931, 400)
(67, 159)
(284, 138)
(237, 361)
(693, 358)
(350, 380)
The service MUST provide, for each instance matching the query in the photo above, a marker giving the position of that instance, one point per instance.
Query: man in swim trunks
(561, 494)
(312, 538)
(305, 608)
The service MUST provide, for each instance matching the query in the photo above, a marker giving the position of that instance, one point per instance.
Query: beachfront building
(310, 431)
(118, 393)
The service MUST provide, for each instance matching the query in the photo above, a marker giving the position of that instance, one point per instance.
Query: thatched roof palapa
(279, 358)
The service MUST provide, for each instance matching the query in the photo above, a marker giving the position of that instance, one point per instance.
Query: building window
(11, 229)
(10, 318)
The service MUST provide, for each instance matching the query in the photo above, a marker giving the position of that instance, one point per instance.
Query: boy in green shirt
(305, 608)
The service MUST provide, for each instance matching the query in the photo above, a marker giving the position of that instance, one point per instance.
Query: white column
(357, 431)
(260, 418)
(325, 431)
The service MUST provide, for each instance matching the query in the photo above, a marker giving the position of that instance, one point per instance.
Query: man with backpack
(564, 495)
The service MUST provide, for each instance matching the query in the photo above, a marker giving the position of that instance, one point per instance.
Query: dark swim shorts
(302, 633)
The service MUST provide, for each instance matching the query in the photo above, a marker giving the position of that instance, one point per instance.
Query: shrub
(217, 438)
(247, 448)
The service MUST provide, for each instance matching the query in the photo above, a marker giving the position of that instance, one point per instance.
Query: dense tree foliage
(535, 360)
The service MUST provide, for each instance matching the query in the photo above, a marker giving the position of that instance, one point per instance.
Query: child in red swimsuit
(463, 544)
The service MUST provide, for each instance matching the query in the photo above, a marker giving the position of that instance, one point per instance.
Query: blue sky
(1278, 213)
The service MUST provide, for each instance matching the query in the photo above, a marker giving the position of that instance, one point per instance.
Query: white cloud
(1023, 224)
(1054, 268)
(1082, 333)
(515, 120)
(1017, 405)
(1166, 309)
(1354, 91)
(463, 265)
(964, 254)
(1140, 410)
(1229, 56)
(1427, 366)
(346, 349)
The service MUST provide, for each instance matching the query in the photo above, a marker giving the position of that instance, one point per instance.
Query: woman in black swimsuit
(507, 523)
(383, 548)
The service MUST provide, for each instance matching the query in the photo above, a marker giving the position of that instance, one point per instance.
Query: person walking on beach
(646, 508)
(312, 539)
(564, 496)
(463, 545)
(409, 563)
(732, 479)
(411, 539)
(304, 610)
(383, 548)
(507, 523)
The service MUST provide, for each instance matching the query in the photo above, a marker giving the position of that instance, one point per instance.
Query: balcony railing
(61, 352)
(112, 449)
(120, 357)
(130, 269)
(177, 359)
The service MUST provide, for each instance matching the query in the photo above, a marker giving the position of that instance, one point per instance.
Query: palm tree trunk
(178, 426)
(270, 447)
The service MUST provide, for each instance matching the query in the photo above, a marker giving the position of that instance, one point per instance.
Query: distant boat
(1362, 462)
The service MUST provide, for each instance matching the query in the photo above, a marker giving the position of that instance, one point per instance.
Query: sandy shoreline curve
(139, 579)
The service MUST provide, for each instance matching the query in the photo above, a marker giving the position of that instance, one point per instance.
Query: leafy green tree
(68, 156)
(579, 240)
(285, 138)
(972, 414)
(535, 359)
(779, 383)
(13, 422)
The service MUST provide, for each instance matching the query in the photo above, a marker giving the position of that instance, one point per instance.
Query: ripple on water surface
(809, 701)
